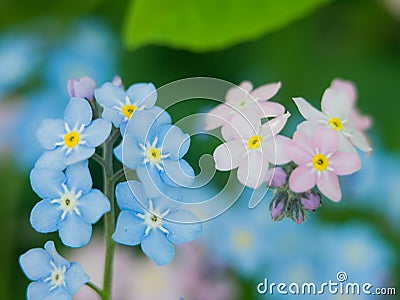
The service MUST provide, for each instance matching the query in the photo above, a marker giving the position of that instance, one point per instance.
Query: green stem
(109, 218)
(96, 289)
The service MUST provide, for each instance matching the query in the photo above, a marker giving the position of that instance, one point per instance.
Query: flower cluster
(150, 213)
(323, 146)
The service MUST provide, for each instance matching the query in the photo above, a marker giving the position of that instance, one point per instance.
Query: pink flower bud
(279, 178)
(82, 88)
(311, 200)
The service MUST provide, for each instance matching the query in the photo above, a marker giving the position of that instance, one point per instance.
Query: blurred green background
(304, 44)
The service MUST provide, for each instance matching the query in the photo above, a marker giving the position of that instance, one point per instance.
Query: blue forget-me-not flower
(54, 278)
(152, 222)
(73, 139)
(69, 204)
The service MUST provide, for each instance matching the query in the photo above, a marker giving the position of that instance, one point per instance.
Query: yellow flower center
(71, 139)
(336, 124)
(128, 110)
(320, 162)
(153, 155)
(254, 142)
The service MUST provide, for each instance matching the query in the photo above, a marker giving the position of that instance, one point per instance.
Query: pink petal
(253, 170)
(238, 92)
(274, 149)
(308, 127)
(271, 109)
(326, 140)
(346, 87)
(328, 184)
(302, 141)
(215, 117)
(360, 141)
(229, 155)
(345, 144)
(307, 110)
(359, 121)
(302, 179)
(266, 91)
(335, 104)
(274, 126)
(345, 163)
(241, 126)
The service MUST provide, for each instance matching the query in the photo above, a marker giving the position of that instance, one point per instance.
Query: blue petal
(45, 216)
(50, 132)
(75, 277)
(57, 258)
(78, 112)
(78, 154)
(78, 177)
(144, 94)
(93, 206)
(178, 171)
(59, 293)
(131, 195)
(173, 141)
(132, 154)
(53, 159)
(118, 152)
(36, 264)
(110, 95)
(47, 183)
(74, 231)
(122, 127)
(154, 185)
(97, 132)
(142, 126)
(129, 230)
(113, 115)
(156, 246)
(162, 117)
(185, 228)
(38, 290)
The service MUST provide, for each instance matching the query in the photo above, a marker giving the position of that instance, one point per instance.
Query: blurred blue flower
(152, 222)
(155, 151)
(73, 139)
(19, 57)
(54, 278)
(119, 105)
(69, 204)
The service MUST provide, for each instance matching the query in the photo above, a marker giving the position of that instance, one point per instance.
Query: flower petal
(335, 104)
(301, 149)
(216, 117)
(346, 87)
(110, 95)
(97, 132)
(74, 231)
(113, 115)
(328, 184)
(184, 228)
(266, 91)
(36, 264)
(57, 258)
(93, 206)
(238, 92)
(156, 246)
(229, 155)
(302, 179)
(274, 126)
(241, 126)
(360, 141)
(60, 293)
(345, 163)
(253, 169)
(78, 177)
(45, 216)
(50, 132)
(47, 183)
(309, 127)
(129, 152)
(75, 278)
(271, 109)
(79, 153)
(173, 141)
(326, 139)
(131, 195)
(274, 149)
(78, 112)
(129, 229)
(144, 94)
(160, 115)
(178, 171)
(307, 110)
(52, 159)
(142, 126)
(38, 290)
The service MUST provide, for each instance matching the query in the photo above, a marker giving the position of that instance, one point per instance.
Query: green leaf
(204, 25)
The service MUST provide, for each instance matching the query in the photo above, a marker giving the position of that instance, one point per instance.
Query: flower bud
(296, 211)
(279, 177)
(82, 88)
(278, 205)
(117, 81)
(310, 200)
